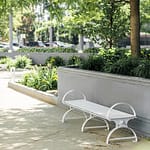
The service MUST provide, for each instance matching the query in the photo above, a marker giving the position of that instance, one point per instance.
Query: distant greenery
(91, 50)
(75, 61)
(55, 61)
(41, 78)
(19, 62)
(46, 49)
(22, 62)
(3, 50)
(94, 62)
(3, 59)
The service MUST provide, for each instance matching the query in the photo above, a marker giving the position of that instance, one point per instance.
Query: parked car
(65, 45)
(6, 46)
(53, 44)
(36, 44)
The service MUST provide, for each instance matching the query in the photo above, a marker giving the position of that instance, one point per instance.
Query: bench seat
(98, 110)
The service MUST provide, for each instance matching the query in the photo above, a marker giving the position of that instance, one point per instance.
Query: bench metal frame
(119, 122)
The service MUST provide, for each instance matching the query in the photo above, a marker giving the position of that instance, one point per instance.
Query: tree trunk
(81, 43)
(50, 36)
(135, 27)
(11, 30)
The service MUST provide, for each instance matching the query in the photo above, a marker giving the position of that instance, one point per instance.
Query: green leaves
(145, 15)
(41, 78)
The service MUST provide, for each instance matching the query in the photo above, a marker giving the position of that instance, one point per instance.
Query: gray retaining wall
(40, 58)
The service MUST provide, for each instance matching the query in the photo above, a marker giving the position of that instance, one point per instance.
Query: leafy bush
(47, 49)
(41, 78)
(3, 50)
(92, 50)
(112, 55)
(55, 61)
(22, 62)
(145, 53)
(143, 69)
(94, 62)
(8, 61)
(75, 61)
(124, 66)
(3, 59)
(18, 62)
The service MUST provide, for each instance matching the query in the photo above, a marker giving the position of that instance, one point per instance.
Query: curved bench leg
(65, 114)
(118, 126)
(110, 133)
(136, 139)
(85, 122)
(92, 127)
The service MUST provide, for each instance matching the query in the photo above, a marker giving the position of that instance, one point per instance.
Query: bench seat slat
(97, 109)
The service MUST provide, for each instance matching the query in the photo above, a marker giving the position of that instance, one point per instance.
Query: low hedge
(139, 67)
(47, 49)
(55, 61)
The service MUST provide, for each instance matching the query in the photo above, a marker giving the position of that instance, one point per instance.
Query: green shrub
(124, 66)
(143, 69)
(3, 50)
(1, 57)
(92, 50)
(94, 62)
(22, 62)
(112, 55)
(18, 62)
(8, 61)
(55, 61)
(75, 61)
(145, 53)
(4, 60)
(47, 49)
(41, 78)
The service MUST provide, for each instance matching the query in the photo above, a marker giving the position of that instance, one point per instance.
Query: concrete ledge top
(136, 80)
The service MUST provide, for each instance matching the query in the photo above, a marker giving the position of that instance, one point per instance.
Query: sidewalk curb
(46, 97)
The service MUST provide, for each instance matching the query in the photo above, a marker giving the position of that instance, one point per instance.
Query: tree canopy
(97, 19)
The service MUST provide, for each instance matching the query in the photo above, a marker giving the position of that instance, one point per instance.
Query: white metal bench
(92, 110)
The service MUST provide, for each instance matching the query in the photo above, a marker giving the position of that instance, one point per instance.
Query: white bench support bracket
(87, 119)
(93, 127)
(65, 114)
(118, 125)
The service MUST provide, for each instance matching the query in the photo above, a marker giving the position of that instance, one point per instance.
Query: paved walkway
(29, 124)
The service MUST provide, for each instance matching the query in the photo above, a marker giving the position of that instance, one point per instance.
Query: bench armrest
(116, 104)
(70, 91)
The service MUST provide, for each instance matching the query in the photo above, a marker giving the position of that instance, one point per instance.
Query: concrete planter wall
(40, 58)
(108, 89)
(46, 97)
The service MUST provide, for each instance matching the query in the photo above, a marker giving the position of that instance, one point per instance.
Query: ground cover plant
(22, 62)
(41, 78)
